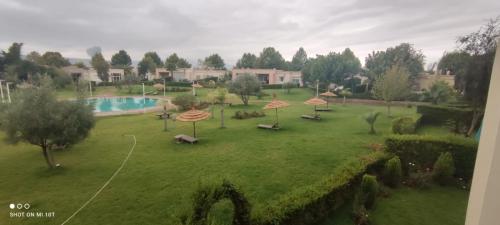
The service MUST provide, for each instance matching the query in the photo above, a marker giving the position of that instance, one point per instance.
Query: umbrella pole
(276, 116)
(327, 102)
(194, 129)
(315, 112)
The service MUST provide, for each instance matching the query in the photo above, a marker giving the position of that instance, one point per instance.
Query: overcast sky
(194, 29)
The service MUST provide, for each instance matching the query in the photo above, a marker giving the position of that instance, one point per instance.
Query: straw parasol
(315, 102)
(275, 104)
(193, 115)
(327, 95)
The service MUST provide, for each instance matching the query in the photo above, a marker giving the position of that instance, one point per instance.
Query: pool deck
(165, 101)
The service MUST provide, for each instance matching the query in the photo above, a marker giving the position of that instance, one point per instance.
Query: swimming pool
(116, 104)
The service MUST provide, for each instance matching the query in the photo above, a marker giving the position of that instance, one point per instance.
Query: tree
(269, 58)
(121, 59)
(147, 64)
(332, 68)
(13, 55)
(481, 45)
(156, 59)
(439, 92)
(455, 63)
(171, 62)
(346, 92)
(404, 55)
(244, 86)
(35, 57)
(183, 63)
(93, 50)
(371, 118)
(101, 66)
(219, 97)
(392, 85)
(214, 61)
(299, 60)
(54, 59)
(36, 117)
(248, 60)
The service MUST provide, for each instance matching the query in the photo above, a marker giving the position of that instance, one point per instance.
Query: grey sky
(196, 28)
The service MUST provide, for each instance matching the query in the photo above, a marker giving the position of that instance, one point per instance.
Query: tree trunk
(343, 102)
(46, 155)
(372, 128)
(222, 117)
(475, 120)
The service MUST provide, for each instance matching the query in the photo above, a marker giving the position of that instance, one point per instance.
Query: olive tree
(393, 85)
(37, 117)
(245, 86)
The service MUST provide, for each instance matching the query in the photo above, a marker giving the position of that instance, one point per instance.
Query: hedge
(406, 124)
(439, 114)
(424, 151)
(272, 86)
(311, 204)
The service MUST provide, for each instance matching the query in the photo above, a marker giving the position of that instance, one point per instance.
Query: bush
(420, 179)
(459, 117)
(272, 86)
(424, 151)
(444, 168)
(178, 89)
(245, 115)
(311, 204)
(404, 125)
(61, 81)
(185, 101)
(368, 191)
(177, 84)
(392, 172)
(206, 196)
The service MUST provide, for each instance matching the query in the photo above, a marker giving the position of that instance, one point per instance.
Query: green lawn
(161, 175)
(434, 206)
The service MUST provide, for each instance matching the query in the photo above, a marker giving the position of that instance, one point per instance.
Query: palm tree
(370, 118)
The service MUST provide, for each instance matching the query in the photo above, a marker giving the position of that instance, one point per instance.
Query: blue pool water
(115, 104)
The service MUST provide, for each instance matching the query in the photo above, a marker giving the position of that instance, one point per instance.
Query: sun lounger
(160, 116)
(270, 127)
(309, 117)
(323, 110)
(184, 138)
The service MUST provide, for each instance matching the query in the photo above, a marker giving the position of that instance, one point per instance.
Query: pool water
(116, 104)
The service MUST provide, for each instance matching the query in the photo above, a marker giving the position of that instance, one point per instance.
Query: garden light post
(8, 92)
(317, 88)
(90, 88)
(1, 91)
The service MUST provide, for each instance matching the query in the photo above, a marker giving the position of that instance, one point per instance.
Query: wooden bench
(269, 127)
(309, 117)
(184, 138)
(160, 115)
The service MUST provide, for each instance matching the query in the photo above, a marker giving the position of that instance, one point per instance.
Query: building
(90, 74)
(78, 73)
(186, 74)
(425, 81)
(271, 76)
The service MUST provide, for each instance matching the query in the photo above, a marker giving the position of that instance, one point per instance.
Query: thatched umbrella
(315, 102)
(275, 104)
(194, 88)
(193, 115)
(327, 95)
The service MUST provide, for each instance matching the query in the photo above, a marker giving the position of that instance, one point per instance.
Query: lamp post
(90, 88)
(1, 91)
(8, 92)
(143, 99)
(317, 88)
(164, 87)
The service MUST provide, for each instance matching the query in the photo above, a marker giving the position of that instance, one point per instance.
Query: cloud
(196, 29)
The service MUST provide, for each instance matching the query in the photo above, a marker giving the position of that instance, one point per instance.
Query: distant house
(189, 74)
(425, 81)
(271, 76)
(116, 74)
(78, 73)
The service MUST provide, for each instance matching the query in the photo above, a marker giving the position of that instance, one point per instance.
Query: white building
(271, 76)
(90, 74)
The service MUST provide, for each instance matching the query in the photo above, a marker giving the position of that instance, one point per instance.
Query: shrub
(368, 190)
(311, 204)
(392, 172)
(404, 125)
(371, 118)
(419, 179)
(185, 101)
(444, 168)
(424, 151)
(272, 86)
(245, 115)
(459, 117)
(206, 196)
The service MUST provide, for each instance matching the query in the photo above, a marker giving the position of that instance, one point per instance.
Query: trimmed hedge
(272, 86)
(404, 125)
(311, 204)
(440, 114)
(424, 151)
